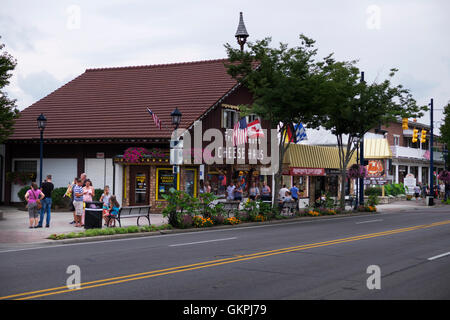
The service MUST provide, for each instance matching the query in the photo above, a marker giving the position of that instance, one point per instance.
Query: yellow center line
(211, 263)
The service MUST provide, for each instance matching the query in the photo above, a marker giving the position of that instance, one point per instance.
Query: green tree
(352, 107)
(8, 110)
(284, 83)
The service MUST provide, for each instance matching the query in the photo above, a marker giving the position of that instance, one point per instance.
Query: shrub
(22, 192)
(232, 221)
(97, 194)
(373, 200)
(58, 198)
(376, 191)
(199, 222)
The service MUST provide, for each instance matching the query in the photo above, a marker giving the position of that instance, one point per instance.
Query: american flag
(240, 132)
(155, 118)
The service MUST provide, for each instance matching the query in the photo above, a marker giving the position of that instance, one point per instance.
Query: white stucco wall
(119, 184)
(100, 172)
(62, 170)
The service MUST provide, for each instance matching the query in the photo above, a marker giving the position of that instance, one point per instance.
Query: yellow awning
(377, 149)
(310, 156)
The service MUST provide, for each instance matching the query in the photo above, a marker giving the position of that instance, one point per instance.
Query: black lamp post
(176, 120)
(41, 122)
(241, 33)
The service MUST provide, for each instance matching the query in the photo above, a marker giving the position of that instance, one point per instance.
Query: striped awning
(311, 156)
(377, 149)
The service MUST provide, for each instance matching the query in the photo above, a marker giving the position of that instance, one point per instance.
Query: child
(105, 199)
(114, 207)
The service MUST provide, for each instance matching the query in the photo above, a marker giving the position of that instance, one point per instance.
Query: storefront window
(140, 188)
(165, 181)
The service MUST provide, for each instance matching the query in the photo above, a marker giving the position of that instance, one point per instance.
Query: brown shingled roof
(112, 102)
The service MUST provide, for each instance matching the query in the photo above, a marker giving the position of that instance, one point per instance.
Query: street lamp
(41, 122)
(176, 117)
(176, 120)
(241, 33)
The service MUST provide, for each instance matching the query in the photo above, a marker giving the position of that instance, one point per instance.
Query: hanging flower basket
(357, 171)
(136, 155)
(444, 176)
(20, 178)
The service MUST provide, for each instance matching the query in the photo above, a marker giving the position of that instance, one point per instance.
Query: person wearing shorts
(78, 201)
(31, 196)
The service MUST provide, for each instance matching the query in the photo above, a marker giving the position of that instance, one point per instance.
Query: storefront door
(139, 185)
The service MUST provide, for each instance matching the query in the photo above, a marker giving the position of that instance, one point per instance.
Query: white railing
(406, 152)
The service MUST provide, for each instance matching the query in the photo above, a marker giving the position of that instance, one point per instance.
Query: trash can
(429, 201)
(93, 214)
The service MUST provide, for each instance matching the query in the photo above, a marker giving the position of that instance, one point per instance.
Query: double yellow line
(207, 264)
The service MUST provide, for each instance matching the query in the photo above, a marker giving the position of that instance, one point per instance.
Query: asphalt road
(322, 259)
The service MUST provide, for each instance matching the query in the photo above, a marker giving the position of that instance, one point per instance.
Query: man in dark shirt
(46, 188)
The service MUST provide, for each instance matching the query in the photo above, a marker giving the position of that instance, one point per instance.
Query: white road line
(369, 221)
(186, 244)
(439, 256)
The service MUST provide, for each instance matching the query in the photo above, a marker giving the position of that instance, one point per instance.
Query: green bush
(373, 191)
(97, 194)
(394, 189)
(58, 198)
(373, 200)
(22, 192)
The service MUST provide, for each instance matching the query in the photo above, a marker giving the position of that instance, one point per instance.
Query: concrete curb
(175, 231)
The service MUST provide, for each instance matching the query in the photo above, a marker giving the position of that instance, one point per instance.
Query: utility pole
(361, 159)
(431, 155)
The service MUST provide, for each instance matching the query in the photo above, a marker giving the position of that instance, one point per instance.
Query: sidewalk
(14, 228)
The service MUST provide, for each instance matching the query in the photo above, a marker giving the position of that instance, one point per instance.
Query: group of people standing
(236, 191)
(441, 191)
(81, 192)
(39, 203)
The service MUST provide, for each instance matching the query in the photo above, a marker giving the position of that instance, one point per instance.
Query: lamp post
(241, 33)
(431, 155)
(176, 120)
(361, 161)
(41, 122)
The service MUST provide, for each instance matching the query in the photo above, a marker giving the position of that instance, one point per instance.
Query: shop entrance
(139, 184)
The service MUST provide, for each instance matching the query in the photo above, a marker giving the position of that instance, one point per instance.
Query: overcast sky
(55, 41)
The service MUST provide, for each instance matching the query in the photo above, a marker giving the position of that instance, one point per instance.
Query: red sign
(375, 168)
(307, 171)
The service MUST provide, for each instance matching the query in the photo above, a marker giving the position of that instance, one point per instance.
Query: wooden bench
(288, 207)
(133, 212)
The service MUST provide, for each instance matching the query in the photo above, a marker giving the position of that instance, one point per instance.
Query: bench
(230, 206)
(133, 212)
(288, 207)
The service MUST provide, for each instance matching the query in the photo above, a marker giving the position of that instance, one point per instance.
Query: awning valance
(310, 156)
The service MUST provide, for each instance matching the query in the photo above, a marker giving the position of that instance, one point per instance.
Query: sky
(55, 41)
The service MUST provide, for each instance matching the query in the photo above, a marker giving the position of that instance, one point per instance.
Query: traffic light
(405, 123)
(423, 136)
(415, 134)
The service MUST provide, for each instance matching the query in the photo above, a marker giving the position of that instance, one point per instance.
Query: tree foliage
(351, 107)
(8, 110)
(284, 83)
(445, 127)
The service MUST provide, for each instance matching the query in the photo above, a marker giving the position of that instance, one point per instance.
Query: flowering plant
(259, 218)
(232, 221)
(20, 178)
(313, 213)
(357, 171)
(199, 221)
(444, 176)
(134, 155)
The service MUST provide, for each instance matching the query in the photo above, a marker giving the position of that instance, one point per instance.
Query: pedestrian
(207, 187)
(417, 192)
(201, 189)
(105, 199)
(282, 192)
(83, 177)
(294, 192)
(238, 191)
(114, 208)
(447, 191)
(33, 197)
(78, 201)
(88, 193)
(47, 189)
(253, 192)
(265, 192)
(230, 191)
(70, 194)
